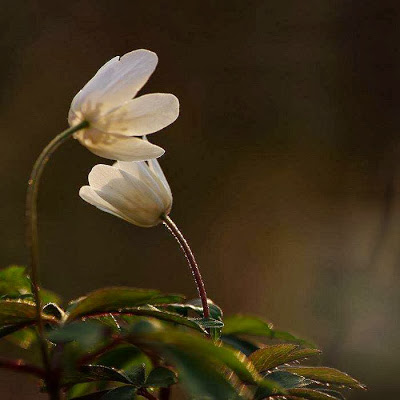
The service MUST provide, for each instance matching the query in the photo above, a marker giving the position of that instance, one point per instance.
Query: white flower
(136, 191)
(115, 117)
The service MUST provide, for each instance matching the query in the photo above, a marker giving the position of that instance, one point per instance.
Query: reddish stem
(192, 262)
(22, 367)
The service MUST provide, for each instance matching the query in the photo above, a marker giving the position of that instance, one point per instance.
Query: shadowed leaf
(161, 377)
(91, 373)
(121, 393)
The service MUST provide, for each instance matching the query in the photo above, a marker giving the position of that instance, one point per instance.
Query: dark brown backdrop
(283, 163)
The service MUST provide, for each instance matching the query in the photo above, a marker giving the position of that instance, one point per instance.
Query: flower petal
(117, 147)
(131, 197)
(90, 196)
(116, 82)
(141, 171)
(141, 116)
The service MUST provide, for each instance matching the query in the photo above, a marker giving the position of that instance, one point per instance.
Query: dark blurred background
(283, 163)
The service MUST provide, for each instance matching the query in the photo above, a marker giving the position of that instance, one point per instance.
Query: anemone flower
(114, 117)
(138, 192)
(135, 191)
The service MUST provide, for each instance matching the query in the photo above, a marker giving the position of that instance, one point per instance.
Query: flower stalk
(191, 261)
(32, 232)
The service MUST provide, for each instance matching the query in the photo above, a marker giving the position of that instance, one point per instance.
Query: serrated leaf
(116, 298)
(92, 373)
(161, 377)
(14, 312)
(121, 393)
(288, 380)
(326, 375)
(311, 394)
(269, 357)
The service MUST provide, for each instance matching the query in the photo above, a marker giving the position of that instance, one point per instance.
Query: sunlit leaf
(247, 325)
(269, 357)
(115, 299)
(13, 312)
(15, 284)
(326, 375)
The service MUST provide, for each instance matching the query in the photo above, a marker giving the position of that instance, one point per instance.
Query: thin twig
(146, 394)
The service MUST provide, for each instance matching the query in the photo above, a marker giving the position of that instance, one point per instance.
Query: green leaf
(326, 375)
(92, 396)
(91, 373)
(161, 377)
(243, 324)
(196, 306)
(114, 299)
(249, 325)
(121, 393)
(311, 394)
(86, 333)
(244, 346)
(271, 356)
(288, 380)
(15, 283)
(13, 312)
(137, 375)
(201, 379)
(23, 338)
(125, 357)
(208, 323)
(202, 347)
(150, 311)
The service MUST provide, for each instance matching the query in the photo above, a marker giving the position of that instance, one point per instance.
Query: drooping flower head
(136, 191)
(115, 117)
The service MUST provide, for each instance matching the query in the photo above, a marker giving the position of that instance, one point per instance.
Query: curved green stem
(32, 230)
(191, 260)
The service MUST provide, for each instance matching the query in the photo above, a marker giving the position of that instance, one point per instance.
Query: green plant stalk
(191, 260)
(32, 236)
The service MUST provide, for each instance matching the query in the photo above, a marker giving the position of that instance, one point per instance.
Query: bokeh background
(283, 163)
